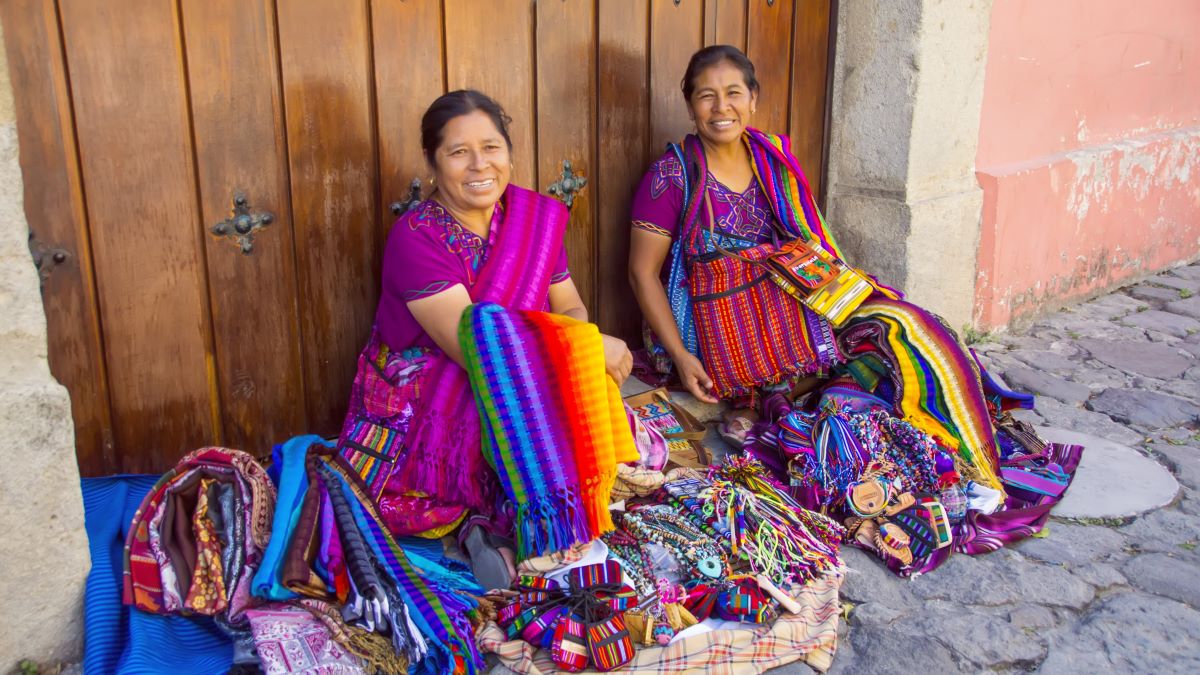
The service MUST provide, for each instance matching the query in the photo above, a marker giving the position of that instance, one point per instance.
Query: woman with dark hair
(413, 431)
(746, 293)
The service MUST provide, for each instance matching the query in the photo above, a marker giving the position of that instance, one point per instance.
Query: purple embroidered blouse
(430, 254)
(659, 199)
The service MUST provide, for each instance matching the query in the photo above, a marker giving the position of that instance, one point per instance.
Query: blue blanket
(120, 639)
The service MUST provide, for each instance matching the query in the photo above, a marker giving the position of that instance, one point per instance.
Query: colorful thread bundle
(554, 426)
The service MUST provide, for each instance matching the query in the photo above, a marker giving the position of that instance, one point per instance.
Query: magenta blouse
(432, 253)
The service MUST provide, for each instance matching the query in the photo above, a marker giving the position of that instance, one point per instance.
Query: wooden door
(144, 125)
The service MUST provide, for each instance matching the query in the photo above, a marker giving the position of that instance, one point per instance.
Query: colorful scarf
(554, 424)
(439, 456)
(428, 610)
(938, 389)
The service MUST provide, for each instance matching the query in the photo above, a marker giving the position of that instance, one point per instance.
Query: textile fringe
(551, 522)
(375, 651)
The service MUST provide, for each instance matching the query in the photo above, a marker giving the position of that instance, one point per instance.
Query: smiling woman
(412, 431)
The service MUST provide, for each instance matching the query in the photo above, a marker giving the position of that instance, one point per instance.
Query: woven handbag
(608, 641)
(825, 284)
(751, 331)
(568, 648)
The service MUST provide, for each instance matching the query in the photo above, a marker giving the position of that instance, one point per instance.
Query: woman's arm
(439, 315)
(565, 300)
(647, 252)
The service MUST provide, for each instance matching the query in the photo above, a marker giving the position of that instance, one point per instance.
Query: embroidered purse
(568, 648)
(608, 642)
(823, 283)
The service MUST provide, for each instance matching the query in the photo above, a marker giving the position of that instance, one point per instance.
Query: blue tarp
(120, 639)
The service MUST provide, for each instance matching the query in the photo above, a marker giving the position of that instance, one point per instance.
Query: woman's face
(472, 165)
(721, 103)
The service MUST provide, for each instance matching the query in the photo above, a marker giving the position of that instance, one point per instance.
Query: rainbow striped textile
(938, 387)
(554, 427)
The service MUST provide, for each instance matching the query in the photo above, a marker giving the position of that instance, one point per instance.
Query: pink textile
(429, 444)
(291, 640)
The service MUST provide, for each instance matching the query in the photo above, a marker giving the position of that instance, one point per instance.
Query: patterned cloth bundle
(554, 424)
(580, 623)
(199, 535)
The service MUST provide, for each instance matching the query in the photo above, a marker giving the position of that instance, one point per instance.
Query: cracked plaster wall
(1089, 151)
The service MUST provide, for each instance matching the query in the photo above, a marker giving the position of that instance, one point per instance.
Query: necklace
(687, 543)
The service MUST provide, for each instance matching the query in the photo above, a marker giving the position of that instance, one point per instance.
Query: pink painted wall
(1089, 149)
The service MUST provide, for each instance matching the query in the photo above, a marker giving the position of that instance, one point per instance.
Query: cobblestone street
(1095, 595)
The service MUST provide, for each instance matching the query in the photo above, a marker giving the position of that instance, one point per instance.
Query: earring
(433, 181)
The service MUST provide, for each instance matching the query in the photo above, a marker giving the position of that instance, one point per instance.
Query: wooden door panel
(489, 47)
(810, 67)
(328, 98)
(54, 208)
(240, 148)
(131, 116)
(566, 105)
(768, 42)
(140, 119)
(676, 32)
(725, 23)
(408, 77)
(623, 155)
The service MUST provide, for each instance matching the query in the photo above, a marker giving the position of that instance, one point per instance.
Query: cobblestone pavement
(1092, 596)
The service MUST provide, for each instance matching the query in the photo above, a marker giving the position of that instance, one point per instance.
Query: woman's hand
(618, 361)
(697, 382)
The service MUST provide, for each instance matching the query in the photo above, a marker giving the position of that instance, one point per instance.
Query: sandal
(734, 429)
(488, 564)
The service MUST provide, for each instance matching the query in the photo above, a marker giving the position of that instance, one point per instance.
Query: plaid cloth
(810, 635)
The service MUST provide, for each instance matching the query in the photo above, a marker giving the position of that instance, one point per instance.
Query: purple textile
(429, 252)
(1023, 514)
(659, 200)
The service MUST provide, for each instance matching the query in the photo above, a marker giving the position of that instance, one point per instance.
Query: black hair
(456, 104)
(711, 56)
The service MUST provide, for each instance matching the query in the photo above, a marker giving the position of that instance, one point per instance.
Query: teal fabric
(293, 483)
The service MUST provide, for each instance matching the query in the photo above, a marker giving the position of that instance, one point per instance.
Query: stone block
(1072, 545)
(1183, 461)
(1187, 272)
(1188, 307)
(1046, 360)
(1146, 409)
(1178, 283)
(1138, 358)
(1167, 576)
(1174, 325)
(1154, 294)
(1043, 384)
(44, 549)
(1129, 633)
(1112, 481)
(1003, 577)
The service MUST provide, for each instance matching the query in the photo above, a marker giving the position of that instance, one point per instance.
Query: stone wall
(903, 197)
(43, 545)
